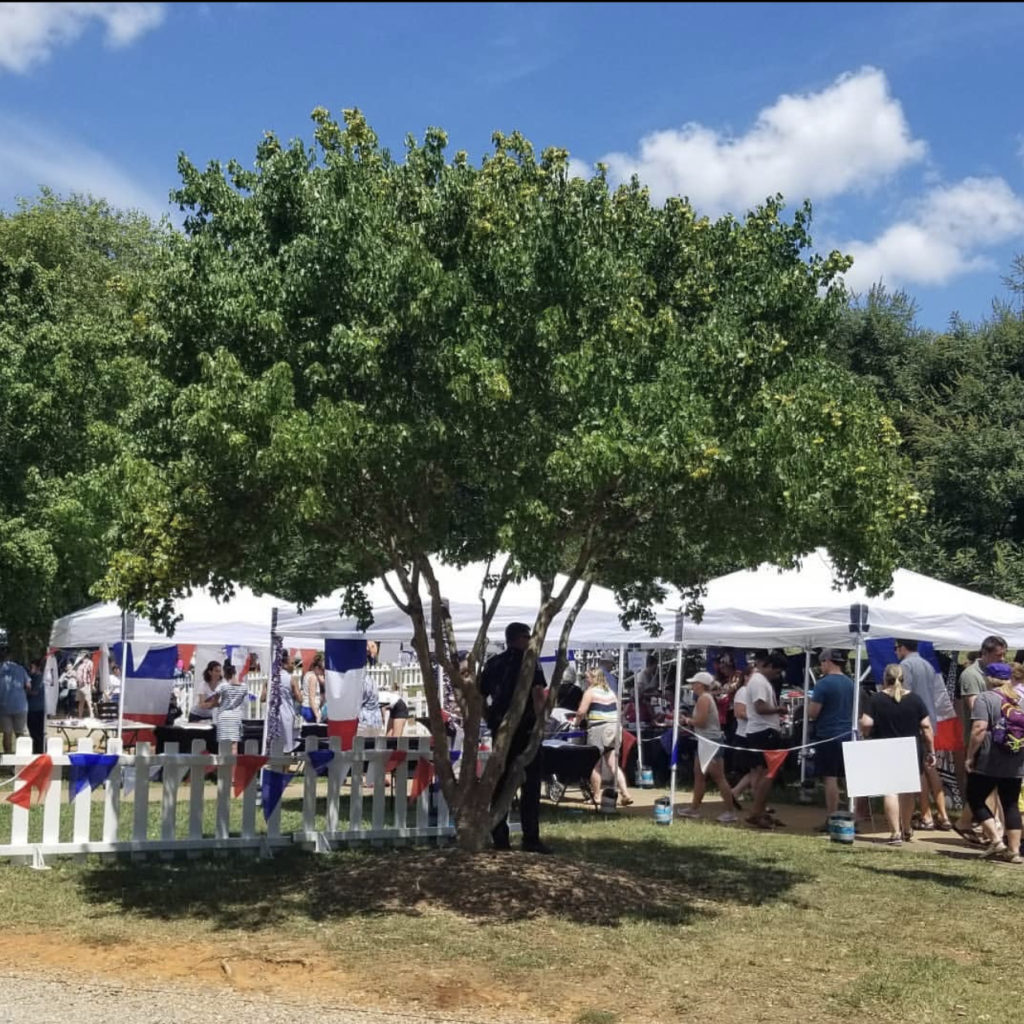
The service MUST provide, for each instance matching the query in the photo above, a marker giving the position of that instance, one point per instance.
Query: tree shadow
(605, 882)
(958, 882)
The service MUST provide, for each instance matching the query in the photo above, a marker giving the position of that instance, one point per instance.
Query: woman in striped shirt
(600, 707)
(229, 698)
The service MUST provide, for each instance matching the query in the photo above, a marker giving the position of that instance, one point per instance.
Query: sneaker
(728, 817)
(688, 812)
(536, 846)
(894, 840)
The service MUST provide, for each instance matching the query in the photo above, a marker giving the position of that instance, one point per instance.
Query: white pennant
(706, 750)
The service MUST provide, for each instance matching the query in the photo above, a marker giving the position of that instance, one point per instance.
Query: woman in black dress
(891, 713)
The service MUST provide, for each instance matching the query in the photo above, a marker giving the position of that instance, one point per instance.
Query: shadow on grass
(954, 881)
(600, 881)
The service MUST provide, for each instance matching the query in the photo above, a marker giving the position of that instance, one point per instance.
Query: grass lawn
(628, 922)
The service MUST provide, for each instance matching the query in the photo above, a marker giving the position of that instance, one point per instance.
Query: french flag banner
(345, 666)
(146, 693)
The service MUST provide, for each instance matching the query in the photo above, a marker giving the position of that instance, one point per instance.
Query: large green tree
(73, 275)
(376, 363)
(955, 399)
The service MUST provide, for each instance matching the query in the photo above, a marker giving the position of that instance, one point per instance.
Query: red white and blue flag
(345, 668)
(146, 692)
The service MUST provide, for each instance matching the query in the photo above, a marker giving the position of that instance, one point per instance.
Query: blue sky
(901, 122)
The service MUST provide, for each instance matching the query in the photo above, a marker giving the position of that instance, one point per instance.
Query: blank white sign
(878, 767)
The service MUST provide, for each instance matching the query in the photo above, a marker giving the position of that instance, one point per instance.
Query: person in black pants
(497, 685)
(37, 707)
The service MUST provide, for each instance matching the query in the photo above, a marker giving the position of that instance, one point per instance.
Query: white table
(99, 728)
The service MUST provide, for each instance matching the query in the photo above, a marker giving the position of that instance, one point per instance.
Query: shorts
(18, 724)
(743, 761)
(949, 734)
(604, 736)
(767, 739)
(828, 759)
(307, 714)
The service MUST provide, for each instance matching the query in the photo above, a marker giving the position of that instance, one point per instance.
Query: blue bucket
(663, 811)
(840, 828)
(646, 778)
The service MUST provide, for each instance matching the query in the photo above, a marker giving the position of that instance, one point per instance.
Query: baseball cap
(837, 657)
(702, 677)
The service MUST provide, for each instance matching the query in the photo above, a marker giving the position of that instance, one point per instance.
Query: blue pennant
(90, 770)
(673, 752)
(271, 787)
(320, 759)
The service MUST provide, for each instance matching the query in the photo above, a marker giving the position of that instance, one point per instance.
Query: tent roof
(770, 607)
(597, 624)
(244, 620)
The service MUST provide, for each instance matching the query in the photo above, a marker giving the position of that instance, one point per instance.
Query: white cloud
(579, 168)
(31, 157)
(944, 235)
(29, 32)
(852, 134)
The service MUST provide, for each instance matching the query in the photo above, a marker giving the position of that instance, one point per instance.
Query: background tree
(955, 399)
(72, 277)
(371, 364)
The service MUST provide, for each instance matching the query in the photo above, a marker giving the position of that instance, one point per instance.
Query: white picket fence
(121, 824)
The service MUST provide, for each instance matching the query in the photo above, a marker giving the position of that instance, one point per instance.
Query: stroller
(564, 731)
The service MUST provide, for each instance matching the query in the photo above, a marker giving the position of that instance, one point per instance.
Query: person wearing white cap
(704, 722)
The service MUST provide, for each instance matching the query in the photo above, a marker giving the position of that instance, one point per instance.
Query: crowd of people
(966, 718)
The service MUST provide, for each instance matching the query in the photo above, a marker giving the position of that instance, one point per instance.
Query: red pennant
(422, 778)
(628, 742)
(246, 767)
(774, 759)
(345, 731)
(36, 778)
(396, 758)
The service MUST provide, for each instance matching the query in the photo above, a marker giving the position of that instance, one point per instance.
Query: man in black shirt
(498, 684)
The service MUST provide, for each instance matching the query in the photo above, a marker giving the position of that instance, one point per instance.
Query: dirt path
(70, 997)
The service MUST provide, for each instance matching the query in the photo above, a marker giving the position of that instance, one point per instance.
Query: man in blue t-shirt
(830, 708)
(14, 684)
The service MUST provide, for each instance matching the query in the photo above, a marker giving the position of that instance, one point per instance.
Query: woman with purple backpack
(995, 759)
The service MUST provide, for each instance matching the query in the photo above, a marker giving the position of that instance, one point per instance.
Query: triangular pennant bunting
(90, 770)
(774, 759)
(272, 786)
(628, 742)
(396, 758)
(422, 777)
(671, 752)
(320, 759)
(35, 777)
(706, 750)
(246, 767)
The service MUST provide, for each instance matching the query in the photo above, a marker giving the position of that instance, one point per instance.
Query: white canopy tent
(771, 607)
(802, 607)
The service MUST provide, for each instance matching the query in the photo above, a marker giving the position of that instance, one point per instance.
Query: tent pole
(124, 672)
(639, 730)
(807, 724)
(675, 725)
(856, 702)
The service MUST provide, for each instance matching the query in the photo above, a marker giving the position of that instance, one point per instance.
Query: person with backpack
(995, 760)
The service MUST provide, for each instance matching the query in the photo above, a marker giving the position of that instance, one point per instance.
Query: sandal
(765, 821)
(945, 825)
(625, 800)
(908, 835)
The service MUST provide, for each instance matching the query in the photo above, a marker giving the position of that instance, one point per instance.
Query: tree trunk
(473, 823)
